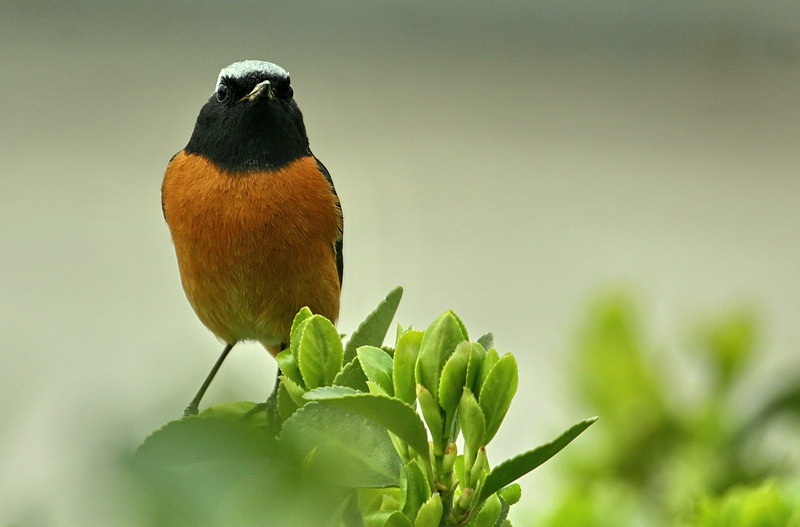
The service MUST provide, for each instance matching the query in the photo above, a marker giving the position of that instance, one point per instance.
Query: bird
(254, 216)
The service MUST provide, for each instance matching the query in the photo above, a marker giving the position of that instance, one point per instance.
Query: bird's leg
(194, 406)
(270, 406)
(273, 397)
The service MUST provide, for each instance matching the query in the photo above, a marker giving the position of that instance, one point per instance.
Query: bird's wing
(338, 244)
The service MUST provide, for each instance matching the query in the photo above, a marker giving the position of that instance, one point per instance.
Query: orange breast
(253, 248)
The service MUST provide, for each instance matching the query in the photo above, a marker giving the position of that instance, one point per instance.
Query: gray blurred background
(506, 160)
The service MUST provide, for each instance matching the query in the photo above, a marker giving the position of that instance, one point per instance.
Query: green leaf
(399, 333)
(508, 471)
(392, 413)
(372, 330)
(511, 494)
(414, 485)
(473, 426)
(236, 411)
(460, 471)
(191, 440)
(405, 358)
(211, 471)
(387, 519)
(293, 390)
(453, 379)
(497, 392)
(371, 500)
(353, 376)
(430, 514)
(376, 389)
(329, 392)
(489, 513)
(438, 343)
(449, 458)
(390, 501)
(353, 448)
(286, 405)
(319, 356)
(487, 341)
(296, 332)
(433, 417)
(480, 469)
(377, 365)
(476, 358)
(489, 361)
(461, 325)
(398, 519)
(288, 366)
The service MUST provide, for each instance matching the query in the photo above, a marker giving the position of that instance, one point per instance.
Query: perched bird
(254, 216)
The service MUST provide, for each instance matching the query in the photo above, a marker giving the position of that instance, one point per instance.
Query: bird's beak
(263, 87)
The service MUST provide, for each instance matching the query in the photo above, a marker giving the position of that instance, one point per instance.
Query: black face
(241, 130)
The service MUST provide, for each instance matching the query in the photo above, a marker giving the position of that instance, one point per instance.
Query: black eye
(222, 92)
(283, 89)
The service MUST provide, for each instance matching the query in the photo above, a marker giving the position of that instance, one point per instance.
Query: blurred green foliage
(763, 506)
(658, 451)
(224, 468)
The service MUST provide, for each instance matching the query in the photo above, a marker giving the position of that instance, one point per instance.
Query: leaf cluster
(384, 436)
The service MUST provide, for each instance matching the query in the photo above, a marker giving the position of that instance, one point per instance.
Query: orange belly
(253, 248)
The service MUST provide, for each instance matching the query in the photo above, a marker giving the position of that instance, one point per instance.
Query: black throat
(245, 136)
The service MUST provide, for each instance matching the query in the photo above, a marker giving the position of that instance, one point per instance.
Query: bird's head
(251, 121)
(252, 80)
